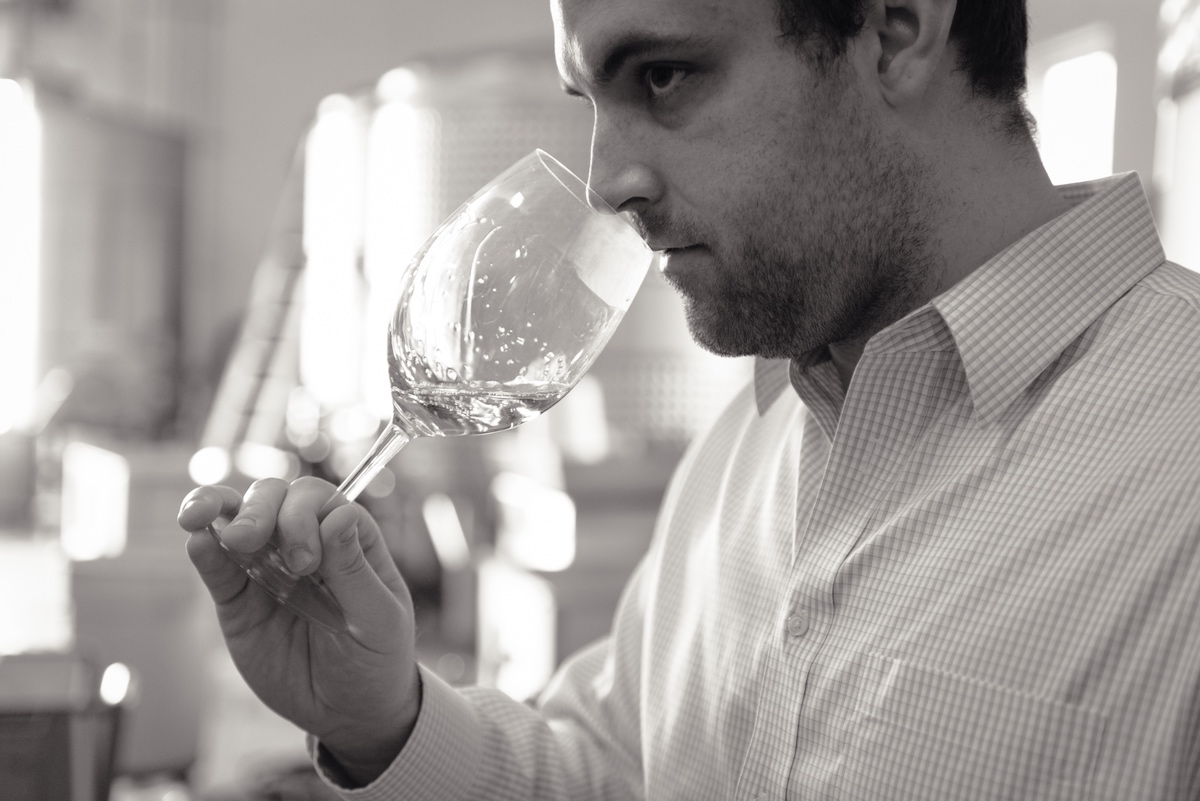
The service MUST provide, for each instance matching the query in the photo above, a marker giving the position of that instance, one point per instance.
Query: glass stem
(389, 443)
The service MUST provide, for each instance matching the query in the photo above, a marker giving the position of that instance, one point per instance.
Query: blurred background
(199, 203)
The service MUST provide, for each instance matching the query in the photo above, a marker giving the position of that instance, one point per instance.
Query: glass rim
(557, 169)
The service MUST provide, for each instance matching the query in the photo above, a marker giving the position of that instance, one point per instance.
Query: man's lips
(674, 259)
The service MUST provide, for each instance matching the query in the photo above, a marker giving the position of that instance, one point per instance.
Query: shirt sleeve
(581, 741)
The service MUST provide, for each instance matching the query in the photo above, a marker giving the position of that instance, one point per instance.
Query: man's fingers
(223, 576)
(255, 520)
(206, 507)
(204, 504)
(288, 517)
(226, 581)
(299, 525)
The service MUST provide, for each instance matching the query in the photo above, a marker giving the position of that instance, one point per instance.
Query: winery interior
(203, 205)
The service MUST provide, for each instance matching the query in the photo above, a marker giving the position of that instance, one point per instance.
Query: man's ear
(911, 38)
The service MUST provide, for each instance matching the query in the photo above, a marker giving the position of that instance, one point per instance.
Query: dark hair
(991, 35)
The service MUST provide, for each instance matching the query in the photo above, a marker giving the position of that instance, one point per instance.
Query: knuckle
(310, 483)
(296, 519)
(339, 520)
(267, 487)
(357, 567)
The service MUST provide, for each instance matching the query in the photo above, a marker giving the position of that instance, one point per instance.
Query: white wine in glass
(500, 313)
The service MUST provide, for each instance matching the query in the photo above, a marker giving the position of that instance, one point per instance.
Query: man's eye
(663, 79)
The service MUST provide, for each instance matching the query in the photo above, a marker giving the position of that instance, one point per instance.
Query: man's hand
(358, 692)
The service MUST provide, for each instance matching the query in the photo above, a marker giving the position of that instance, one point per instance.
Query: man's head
(793, 181)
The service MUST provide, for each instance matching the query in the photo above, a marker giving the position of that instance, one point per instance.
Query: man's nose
(622, 174)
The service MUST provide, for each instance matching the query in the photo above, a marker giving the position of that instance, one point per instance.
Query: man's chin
(747, 336)
(714, 333)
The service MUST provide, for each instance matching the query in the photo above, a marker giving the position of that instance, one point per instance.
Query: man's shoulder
(1142, 353)
(1158, 318)
(1171, 280)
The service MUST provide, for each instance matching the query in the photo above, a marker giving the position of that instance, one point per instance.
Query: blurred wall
(1134, 25)
(271, 63)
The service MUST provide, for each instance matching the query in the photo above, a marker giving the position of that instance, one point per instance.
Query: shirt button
(797, 625)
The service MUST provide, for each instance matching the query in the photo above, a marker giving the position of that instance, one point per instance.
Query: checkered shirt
(974, 575)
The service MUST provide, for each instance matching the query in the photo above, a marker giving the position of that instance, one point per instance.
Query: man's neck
(991, 201)
(992, 210)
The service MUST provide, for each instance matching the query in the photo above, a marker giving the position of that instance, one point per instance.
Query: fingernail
(299, 557)
(190, 503)
(349, 534)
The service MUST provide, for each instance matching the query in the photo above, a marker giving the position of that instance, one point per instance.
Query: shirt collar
(770, 379)
(1011, 318)
(1015, 315)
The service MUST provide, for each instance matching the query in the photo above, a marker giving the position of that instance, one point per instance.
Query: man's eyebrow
(631, 46)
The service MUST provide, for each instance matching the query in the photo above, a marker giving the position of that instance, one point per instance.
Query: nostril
(633, 206)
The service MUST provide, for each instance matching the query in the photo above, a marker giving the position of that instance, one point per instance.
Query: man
(945, 547)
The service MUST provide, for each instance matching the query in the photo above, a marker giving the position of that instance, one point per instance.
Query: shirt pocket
(920, 733)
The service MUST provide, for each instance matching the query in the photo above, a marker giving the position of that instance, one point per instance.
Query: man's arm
(581, 741)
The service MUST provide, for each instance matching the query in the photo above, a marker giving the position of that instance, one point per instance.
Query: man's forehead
(586, 32)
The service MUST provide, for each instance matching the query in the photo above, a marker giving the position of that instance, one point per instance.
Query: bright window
(1179, 178)
(1177, 151)
(1076, 111)
(20, 239)
(1073, 97)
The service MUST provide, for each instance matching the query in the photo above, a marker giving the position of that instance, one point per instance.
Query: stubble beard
(835, 264)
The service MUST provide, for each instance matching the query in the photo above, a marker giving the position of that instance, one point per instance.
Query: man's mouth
(676, 258)
(677, 250)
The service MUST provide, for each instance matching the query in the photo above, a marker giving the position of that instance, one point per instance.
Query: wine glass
(500, 313)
